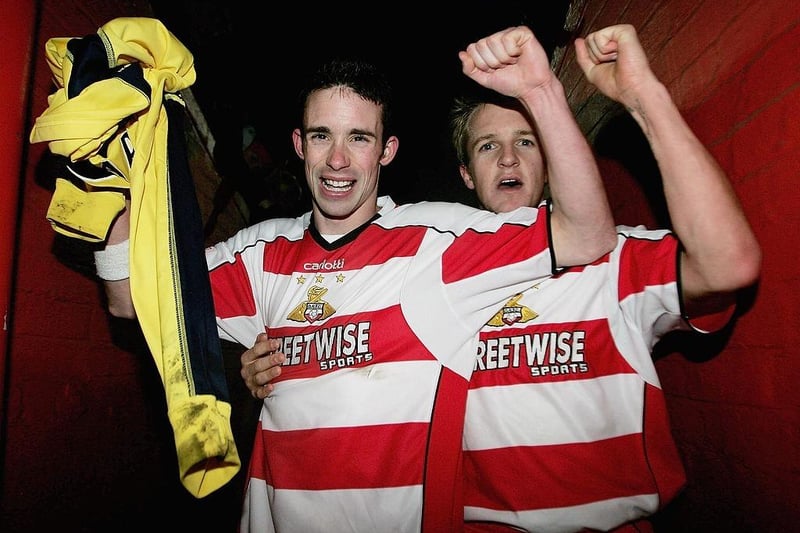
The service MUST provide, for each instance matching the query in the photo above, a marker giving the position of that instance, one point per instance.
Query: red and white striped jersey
(363, 429)
(566, 424)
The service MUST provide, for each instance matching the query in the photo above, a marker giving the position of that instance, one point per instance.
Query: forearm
(118, 291)
(583, 227)
(721, 251)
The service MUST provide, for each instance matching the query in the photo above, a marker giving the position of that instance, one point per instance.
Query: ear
(297, 141)
(389, 150)
(462, 169)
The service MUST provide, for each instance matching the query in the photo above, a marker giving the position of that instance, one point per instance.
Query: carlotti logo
(337, 264)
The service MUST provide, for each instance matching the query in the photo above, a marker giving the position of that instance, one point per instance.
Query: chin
(514, 203)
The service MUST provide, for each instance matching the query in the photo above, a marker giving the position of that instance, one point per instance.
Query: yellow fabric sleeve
(83, 215)
(207, 454)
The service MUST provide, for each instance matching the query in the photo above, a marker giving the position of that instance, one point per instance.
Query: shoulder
(646, 247)
(626, 233)
(290, 229)
(454, 217)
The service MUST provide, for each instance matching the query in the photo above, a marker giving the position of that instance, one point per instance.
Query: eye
(317, 136)
(485, 147)
(527, 142)
(360, 138)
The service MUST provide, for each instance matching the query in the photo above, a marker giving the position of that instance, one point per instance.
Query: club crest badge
(313, 309)
(511, 313)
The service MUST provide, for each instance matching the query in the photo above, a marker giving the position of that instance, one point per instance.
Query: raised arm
(721, 253)
(513, 62)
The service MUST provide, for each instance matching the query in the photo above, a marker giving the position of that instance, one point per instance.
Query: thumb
(467, 64)
(582, 56)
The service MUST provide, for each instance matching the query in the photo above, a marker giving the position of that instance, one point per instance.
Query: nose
(508, 157)
(337, 157)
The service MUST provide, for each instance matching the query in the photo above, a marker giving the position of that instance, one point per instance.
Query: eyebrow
(491, 136)
(355, 131)
(366, 133)
(318, 129)
(478, 140)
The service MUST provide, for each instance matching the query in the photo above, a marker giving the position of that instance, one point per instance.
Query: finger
(512, 42)
(266, 345)
(467, 64)
(253, 364)
(267, 375)
(258, 390)
(603, 47)
(495, 53)
(263, 370)
(262, 391)
(592, 50)
(249, 358)
(477, 52)
(501, 48)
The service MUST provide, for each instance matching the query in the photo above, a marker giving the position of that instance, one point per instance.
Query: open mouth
(509, 183)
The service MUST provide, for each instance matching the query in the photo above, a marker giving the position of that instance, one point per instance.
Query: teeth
(336, 184)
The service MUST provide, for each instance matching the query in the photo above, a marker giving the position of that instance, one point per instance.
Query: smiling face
(506, 168)
(343, 149)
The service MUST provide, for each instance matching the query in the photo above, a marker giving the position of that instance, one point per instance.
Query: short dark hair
(362, 77)
(463, 111)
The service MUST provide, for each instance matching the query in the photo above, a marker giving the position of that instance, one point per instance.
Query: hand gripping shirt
(566, 424)
(363, 430)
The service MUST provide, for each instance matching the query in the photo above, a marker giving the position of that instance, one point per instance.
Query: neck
(328, 225)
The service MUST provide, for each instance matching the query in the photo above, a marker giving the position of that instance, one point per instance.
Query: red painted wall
(87, 446)
(16, 39)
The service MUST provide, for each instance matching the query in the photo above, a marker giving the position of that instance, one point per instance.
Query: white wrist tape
(113, 263)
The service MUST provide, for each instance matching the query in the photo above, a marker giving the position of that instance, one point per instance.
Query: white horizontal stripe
(357, 294)
(256, 515)
(353, 294)
(572, 297)
(558, 413)
(395, 509)
(602, 515)
(378, 394)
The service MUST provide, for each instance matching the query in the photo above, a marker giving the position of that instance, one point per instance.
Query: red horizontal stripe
(541, 477)
(287, 258)
(389, 455)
